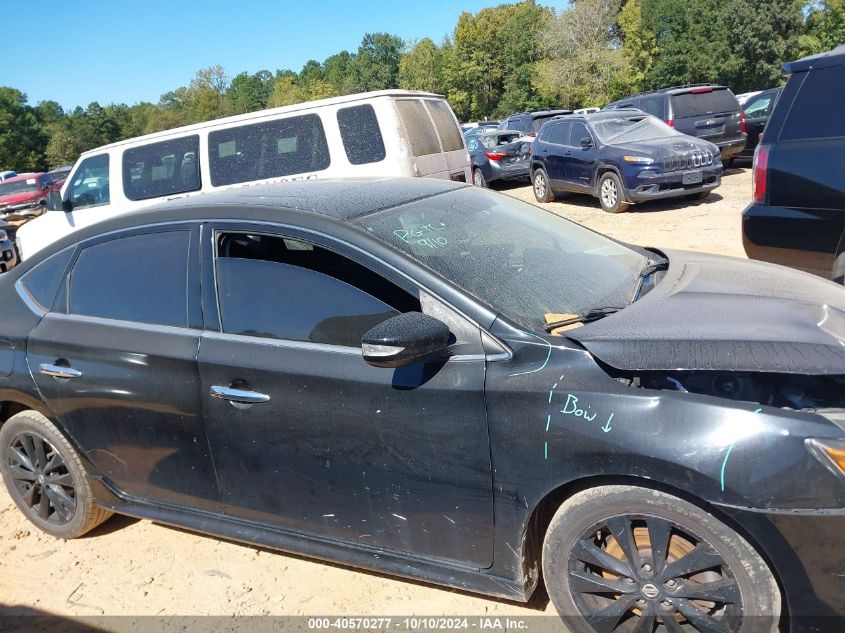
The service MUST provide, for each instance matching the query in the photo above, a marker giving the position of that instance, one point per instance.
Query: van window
(448, 130)
(294, 145)
(90, 185)
(817, 110)
(418, 126)
(361, 134)
(702, 103)
(162, 169)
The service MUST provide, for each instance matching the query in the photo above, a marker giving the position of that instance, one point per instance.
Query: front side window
(559, 133)
(162, 169)
(275, 287)
(90, 184)
(444, 121)
(142, 278)
(579, 131)
(417, 123)
(759, 108)
(522, 261)
(271, 149)
(361, 134)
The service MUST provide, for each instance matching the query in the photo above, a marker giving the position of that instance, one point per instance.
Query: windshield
(632, 130)
(19, 186)
(522, 261)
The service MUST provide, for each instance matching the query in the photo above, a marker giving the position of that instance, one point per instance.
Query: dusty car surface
(441, 382)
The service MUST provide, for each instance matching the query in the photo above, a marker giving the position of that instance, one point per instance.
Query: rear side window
(294, 145)
(276, 287)
(444, 121)
(817, 110)
(418, 125)
(90, 184)
(142, 278)
(42, 282)
(361, 134)
(655, 105)
(703, 103)
(162, 169)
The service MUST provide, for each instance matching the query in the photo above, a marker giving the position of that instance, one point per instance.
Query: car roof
(28, 176)
(833, 57)
(673, 90)
(622, 113)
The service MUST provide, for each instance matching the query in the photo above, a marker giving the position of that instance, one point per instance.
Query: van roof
(260, 114)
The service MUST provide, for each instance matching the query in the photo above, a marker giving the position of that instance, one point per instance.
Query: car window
(361, 134)
(418, 126)
(578, 131)
(817, 110)
(43, 280)
(271, 149)
(655, 105)
(691, 104)
(537, 122)
(759, 108)
(276, 287)
(90, 185)
(142, 278)
(559, 133)
(162, 169)
(450, 135)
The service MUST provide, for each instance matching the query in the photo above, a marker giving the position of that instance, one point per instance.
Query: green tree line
(502, 59)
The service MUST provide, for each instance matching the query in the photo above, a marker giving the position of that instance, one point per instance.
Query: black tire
(478, 178)
(45, 477)
(541, 186)
(612, 194)
(729, 164)
(723, 567)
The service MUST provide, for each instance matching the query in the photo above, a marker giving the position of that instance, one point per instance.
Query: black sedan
(441, 382)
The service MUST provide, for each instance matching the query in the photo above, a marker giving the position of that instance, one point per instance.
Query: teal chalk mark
(546, 450)
(548, 422)
(607, 428)
(724, 464)
(758, 410)
(551, 393)
(546, 362)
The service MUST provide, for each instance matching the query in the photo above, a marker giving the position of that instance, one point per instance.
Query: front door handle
(57, 371)
(239, 396)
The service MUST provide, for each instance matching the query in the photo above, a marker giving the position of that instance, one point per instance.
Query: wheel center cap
(650, 591)
(41, 479)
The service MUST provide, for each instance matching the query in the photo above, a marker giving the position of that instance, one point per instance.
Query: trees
(825, 27)
(376, 64)
(421, 67)
(22, 139)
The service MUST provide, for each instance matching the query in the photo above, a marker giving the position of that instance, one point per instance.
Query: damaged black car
(441, 382)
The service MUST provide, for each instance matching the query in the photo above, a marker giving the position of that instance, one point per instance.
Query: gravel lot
(129, 567)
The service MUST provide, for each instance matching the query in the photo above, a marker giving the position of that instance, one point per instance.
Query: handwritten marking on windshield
(422, 235)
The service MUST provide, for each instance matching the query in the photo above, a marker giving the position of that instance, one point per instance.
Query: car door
(308, 437)
(115, 360)
(553, 151)
(579, 161)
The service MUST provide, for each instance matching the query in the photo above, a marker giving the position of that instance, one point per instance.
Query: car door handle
(57, 371)
(240, 396)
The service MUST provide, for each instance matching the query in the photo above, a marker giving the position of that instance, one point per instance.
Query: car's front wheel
(625, 558)
(611, 194)
(45, 477)
(542, 189)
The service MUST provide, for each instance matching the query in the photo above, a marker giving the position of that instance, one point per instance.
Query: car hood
(17, 198)
(670, 145)
(721, 313)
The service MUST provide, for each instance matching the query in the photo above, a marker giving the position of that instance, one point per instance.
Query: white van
(385, 133)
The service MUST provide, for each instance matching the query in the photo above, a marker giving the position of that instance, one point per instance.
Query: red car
(25, 194)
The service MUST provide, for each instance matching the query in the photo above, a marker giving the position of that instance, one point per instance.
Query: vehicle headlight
(638, 160)
(831, 453)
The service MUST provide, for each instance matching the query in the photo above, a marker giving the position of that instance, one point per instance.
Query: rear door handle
(57, 371)
(240, 396)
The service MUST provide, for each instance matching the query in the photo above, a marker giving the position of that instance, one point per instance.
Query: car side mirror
(55, 202)
(405, 339)
(586, 142)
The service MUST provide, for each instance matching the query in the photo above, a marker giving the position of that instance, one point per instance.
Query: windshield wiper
(654, 265)
(593, 314)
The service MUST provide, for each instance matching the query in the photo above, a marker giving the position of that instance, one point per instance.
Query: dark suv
(529, 123)
(707, 111)
(797, 216)
(621, 157)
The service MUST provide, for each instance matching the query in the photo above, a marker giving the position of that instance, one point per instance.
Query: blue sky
(121, 51)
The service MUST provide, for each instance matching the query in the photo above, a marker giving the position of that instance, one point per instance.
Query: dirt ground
(130, 567)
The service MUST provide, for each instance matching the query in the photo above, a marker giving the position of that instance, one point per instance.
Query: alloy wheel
(41, 478)
(609, 193)
(633, 573)
(540, 185)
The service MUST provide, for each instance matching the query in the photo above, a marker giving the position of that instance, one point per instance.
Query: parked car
(529, 123)
(745, 96)
(621, 157)
(466, 127)
(353, 371)
(25, 194)
(5, 175)
(587, 110)
(475, 131)
(498, 155)
(797, 215)
(8, 254)
(60, 174)
(385, 133)
(757, 110)
(707, 111)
